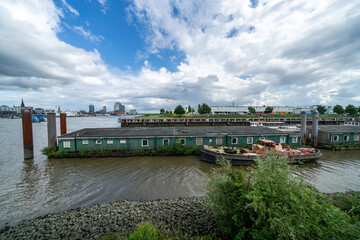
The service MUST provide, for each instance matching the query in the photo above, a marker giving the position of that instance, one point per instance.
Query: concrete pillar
(315, 129)
(303, 128)
(51, 127)
(27, 134)
(62, 123)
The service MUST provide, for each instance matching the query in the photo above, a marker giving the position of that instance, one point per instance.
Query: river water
(33, 188)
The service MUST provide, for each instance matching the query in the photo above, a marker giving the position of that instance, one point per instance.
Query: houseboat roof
(172, 132)
(338, 129)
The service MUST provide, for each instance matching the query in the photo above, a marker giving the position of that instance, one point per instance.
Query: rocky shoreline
(178, 217)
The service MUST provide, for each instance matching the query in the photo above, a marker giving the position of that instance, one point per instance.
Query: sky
(153, 54)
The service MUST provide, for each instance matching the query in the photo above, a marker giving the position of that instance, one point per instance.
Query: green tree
(269, 109)
(359, 109)
(189, 109)
(162, 111)
(338, 109)
(179, 110)
(252, 110)
(351, 109)
(321, 109)
(205, 109)
(199, 109)
(167, 112)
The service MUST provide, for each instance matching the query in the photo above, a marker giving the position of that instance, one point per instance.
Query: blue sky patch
(233, 32)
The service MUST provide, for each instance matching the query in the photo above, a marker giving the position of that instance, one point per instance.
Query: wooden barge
(244, 156)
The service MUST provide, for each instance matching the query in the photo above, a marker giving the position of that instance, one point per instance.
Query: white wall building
(260, 109)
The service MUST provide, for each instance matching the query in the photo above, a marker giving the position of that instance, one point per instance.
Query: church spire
(22, 103)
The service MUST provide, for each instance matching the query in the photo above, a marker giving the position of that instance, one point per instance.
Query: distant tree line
(205, 109)
(349, 109)
(202, 109)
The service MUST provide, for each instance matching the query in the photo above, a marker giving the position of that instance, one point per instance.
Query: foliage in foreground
(270, 203)
(147, 231)
(349, 202)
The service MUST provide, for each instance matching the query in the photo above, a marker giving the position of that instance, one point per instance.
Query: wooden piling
(27, 134)
(303, 128)
(315, 129)
(62, 123)
(51, 127)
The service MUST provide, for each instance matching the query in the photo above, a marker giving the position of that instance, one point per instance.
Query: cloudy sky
(152, 54)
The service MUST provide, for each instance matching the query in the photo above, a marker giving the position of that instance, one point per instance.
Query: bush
(270, 203)
(62, 153)
(48, 150)
(146, 231)
(82, 152)
(348, 202)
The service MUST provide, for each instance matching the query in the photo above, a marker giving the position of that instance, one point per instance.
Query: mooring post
(303, 128)
(27, 134)
(62, 123)
(51, 127)
(315, 129)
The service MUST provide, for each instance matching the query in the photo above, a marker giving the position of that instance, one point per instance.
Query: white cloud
(104, 5)
(303, 46)
(87, 34)
(70, 8)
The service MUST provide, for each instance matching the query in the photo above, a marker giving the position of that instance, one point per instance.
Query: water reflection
(30, 178)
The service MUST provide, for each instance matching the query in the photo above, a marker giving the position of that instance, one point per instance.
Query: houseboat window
(98, 141)
(250, 140)
(84, 142)
(145, 143)
(346, 138)
(66, 144)
(294, 139)
(282, 139)
(336, 138)
(234, 140)
(166, 142)
(122, 141)
(356, 138)
(198, 141)
(110, 141)
(182, 141)
(218, 141)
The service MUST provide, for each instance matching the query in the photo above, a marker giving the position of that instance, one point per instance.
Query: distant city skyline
(158, 54)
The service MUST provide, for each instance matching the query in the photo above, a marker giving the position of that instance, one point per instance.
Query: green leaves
(269, 202)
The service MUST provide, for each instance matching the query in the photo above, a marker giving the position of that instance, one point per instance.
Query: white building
(260, 109)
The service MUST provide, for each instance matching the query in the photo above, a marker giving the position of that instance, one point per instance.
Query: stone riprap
(179, 217)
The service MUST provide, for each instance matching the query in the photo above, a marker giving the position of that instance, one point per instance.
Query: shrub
(146, 231)
(348, 202)
(269, 202)
(62, 153)
(82, 152)
(48, 150)
(123, 149)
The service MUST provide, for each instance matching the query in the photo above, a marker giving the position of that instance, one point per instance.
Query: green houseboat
(329, 134)
(117, 139)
